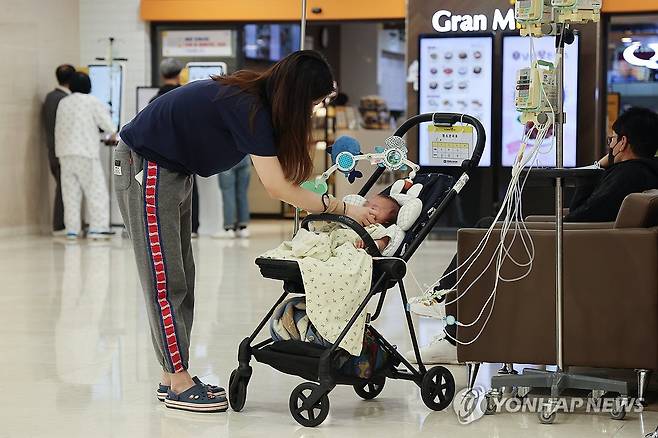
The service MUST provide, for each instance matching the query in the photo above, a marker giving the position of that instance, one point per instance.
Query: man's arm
(604, 202)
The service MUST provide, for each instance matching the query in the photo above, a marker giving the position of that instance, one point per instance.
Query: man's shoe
(427, 305)
(438, 352)
(224, 234)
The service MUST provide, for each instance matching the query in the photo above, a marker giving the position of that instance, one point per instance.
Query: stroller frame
(437, 383)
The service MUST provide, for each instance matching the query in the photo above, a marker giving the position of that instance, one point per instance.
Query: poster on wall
(455, 76)
(516, 55)
(197, 43)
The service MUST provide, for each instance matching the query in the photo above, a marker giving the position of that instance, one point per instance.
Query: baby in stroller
(291, 320)
(386, 210)
(337, 271)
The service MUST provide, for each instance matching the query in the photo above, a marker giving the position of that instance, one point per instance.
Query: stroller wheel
(237, 390)
(308, 416)
(437, 388)
(370, 390)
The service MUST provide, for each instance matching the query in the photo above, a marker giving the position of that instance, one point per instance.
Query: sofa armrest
(567, 225)
(610, 300)
(545, 218)
(571, 225)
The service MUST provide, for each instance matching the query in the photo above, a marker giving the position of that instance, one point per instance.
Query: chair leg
(508, 368)
(472, 369)
(643, 376)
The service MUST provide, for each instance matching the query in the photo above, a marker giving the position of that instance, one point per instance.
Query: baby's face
(385, 209)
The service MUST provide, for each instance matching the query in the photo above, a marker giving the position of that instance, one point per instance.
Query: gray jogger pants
(157, 212)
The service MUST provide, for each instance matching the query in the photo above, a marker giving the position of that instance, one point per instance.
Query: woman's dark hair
(64, 73)
(80, 83)
(289, 88)
(639, 126)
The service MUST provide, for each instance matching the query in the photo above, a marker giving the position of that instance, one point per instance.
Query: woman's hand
(363, 215)
(360, 244)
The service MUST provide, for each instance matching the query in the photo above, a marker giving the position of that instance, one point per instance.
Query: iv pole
(560, 379)
(110, 60)
(302, 38)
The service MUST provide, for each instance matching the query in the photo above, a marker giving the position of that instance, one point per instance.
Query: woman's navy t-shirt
(201, 128)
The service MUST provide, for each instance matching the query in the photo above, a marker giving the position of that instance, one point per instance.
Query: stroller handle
(450, 119)
(438, 119)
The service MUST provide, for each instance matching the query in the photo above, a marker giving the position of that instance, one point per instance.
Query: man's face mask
(612, 142)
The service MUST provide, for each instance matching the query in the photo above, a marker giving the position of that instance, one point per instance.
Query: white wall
(101, 19)
(35, 37)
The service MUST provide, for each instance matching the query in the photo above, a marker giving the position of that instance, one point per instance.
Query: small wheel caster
(237, 390)
(308, 416)
(437, 388)
(370, 390)
(547, 414)
(619, 411)
(491, 398)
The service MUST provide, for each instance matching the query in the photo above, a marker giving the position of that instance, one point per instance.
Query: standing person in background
(234, 184)
(170, 69)
(63, 73)
(77, 145)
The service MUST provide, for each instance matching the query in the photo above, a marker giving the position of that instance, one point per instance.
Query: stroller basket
(303, 359)
(309, 402)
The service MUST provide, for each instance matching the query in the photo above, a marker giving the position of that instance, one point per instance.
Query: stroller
(309, 402)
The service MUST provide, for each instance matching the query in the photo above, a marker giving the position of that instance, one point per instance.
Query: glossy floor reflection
(77, 358)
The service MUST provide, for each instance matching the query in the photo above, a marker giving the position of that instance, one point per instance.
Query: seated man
(630, 167)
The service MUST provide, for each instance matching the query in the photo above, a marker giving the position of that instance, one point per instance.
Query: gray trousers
(157, 213)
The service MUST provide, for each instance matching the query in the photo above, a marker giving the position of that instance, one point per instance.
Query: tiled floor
(77, 360)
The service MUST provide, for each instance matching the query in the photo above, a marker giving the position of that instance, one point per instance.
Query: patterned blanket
(336, 277)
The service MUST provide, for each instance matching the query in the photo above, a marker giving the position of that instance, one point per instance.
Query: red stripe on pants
(157, 261)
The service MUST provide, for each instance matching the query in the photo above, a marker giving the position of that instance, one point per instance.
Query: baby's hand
(360, 244)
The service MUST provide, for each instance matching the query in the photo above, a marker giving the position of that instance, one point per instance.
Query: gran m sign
(446, 21)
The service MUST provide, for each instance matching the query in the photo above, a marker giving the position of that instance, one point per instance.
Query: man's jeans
(234, 184)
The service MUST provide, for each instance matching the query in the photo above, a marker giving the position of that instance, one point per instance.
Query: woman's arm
(271, 175)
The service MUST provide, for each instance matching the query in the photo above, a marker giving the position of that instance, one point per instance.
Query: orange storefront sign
(290, 10)
(270, 10)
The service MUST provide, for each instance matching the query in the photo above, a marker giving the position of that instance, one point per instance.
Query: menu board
(106, 85)
(516, 55)
(455, 76)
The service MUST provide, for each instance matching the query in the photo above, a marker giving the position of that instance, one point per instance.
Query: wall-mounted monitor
(270, 42)
(455, 76)
(144, 97)
(203, 70)
(107, 85)
(516, 55)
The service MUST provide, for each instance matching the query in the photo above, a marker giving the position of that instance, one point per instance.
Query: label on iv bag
(450, 145)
